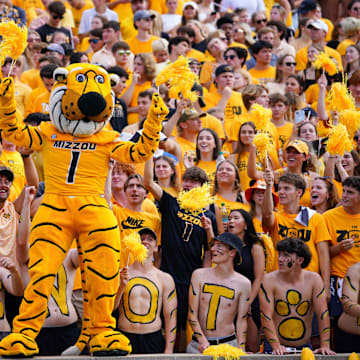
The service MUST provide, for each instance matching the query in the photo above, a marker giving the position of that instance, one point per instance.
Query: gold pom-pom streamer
(262, 143)
(323, 61)
(14, 41)
(260, 116)
(133, 244)
(339, 141)
(351, 119)
(180, 78)
(354, 356)
(196, 199)
(225, 351)
(339, 98)
(307, 354)
(269, 251)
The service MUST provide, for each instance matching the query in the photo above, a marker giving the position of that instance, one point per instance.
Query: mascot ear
(60, 74)
(114, 80)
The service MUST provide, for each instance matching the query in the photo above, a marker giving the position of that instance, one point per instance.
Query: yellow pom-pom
(180, 78)
(225, 351)
(339, 98)
(196, 199)
(262, 143)
(135, 247)
(351, 119)
(14, 40)
(339, 141)
(323, 61)
(260, 116)
(354, 356)
(307, 354)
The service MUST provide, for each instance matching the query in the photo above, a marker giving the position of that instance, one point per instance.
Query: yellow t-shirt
(77, 13)
(41, 103)
(137, 46)
(32, 78)
(316, 232)
(195, 54)
(127, 28)
(284, 133)
(132, 221)
(185, 145)
(263, 76)
(206, 72)
(22, 93)
(230, 205)
(161, 8)
(302, 59)
(123, 10)
(343, 226)
(210, 168)
(341, 48)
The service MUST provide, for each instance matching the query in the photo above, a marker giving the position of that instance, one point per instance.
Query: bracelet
(25, 156)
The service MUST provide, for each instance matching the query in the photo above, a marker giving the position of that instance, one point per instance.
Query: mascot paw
(7, 91)
(158, 106)
(110, 343)
(18, 346)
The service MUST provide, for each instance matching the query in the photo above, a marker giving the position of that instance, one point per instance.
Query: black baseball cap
(232, 240)
(147, 230)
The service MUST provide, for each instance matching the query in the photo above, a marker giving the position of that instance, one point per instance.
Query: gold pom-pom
(14, 40)
(262, 143)
(354, 356)
(339, 97)
(180, 78)
(225, 351)
(323, 61)
(307, 354)
(133, 244)
(351, 119)
(260, 116)
(196, 199)
(339, 141)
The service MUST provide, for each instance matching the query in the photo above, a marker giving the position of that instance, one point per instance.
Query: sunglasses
(94, 41)
(290, 63)
(231, 57)
(56, 17)
(262, 21)
(124, 52)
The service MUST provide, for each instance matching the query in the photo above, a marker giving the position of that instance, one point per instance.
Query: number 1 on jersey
(75, 156)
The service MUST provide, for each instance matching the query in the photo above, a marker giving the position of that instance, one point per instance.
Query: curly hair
(149, 65)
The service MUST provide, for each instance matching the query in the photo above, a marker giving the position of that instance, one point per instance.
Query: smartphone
(299, 116)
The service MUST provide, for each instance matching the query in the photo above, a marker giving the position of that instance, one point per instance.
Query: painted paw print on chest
(292, 328)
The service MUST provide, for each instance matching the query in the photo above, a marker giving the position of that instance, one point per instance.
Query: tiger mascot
(76, 150)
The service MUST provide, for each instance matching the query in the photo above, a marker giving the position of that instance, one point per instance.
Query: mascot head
(81, 101)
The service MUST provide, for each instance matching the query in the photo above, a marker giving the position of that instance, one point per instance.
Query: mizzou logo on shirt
(345, 234)
(302, 234)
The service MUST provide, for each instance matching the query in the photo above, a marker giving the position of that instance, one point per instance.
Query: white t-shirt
(85, 22)
(250, 5)
(170, 21)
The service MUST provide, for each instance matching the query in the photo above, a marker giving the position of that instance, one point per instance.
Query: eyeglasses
(231, 57)
(124, 52)
(94, 41)
(288, 63)
(261, 21)
(56, 17)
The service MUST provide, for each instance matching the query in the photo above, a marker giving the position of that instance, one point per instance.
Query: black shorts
(346, 342)
(54, 340)
(335, 307)
(182, 293)
(152, 343)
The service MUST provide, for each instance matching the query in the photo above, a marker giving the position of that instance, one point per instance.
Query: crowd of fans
(297, 286)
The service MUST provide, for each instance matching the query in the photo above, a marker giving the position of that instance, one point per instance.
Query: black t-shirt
(46, 32)
(119, 117)
(183, 240)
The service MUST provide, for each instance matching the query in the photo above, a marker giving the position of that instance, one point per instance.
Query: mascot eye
(100, 79)
(80, 77)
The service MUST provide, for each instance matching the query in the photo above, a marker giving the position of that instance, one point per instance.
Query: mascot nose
(91, 103)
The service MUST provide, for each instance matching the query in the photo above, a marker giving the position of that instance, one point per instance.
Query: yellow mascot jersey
(343, 226)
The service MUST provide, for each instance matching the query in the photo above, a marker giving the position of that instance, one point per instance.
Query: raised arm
(169, 311)
(149, 182)
(251, 168)
(171, 123)
(243, 309)
(322, 313)
(267, 302)
(12, 282)
(268, 218)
